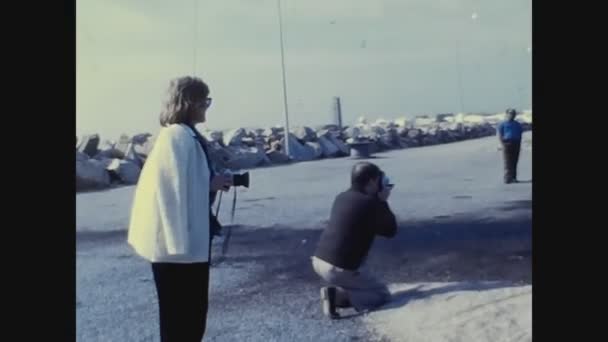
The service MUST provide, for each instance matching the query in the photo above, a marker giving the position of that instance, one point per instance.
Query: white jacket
(170, 213)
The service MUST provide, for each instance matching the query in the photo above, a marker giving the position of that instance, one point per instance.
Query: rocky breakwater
(100, 165)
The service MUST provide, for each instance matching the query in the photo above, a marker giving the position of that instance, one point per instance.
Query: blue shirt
(510, 130)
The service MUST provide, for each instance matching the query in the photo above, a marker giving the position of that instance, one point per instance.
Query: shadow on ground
(470, 249)
(464, 249)
(469, 252)
(446, 248)
(106, 236)
(516, 205)
(461, 248)
(401, 298)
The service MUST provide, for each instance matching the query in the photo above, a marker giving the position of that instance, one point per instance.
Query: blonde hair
(183, 95)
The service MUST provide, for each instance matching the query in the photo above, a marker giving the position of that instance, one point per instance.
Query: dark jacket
(356, 218)
(214, 224)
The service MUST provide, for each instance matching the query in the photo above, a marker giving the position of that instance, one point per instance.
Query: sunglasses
(206, 103)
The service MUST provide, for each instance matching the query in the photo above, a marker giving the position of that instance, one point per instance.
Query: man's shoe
(328, 302)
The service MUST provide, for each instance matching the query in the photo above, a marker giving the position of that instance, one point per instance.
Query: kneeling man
(357, 216)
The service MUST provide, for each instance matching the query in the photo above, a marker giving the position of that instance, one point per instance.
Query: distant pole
(195, 37)
(528, 65)
(338, 112)
(460, 91)
(284, 80)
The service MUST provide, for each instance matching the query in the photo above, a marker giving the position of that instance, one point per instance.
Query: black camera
(241, 179)
(238, 179)
(384, 182)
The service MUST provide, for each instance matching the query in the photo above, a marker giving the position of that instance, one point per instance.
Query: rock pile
(99, 165)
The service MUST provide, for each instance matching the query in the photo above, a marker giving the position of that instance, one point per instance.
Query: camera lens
(241, 179)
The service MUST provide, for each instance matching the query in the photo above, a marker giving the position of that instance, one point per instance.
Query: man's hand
(385, 193)
(221, 182)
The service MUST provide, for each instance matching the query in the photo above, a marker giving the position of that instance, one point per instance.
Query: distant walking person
(357, 216)
(509, 133)
(170, 217)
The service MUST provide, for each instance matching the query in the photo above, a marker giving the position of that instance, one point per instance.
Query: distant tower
(338, 112)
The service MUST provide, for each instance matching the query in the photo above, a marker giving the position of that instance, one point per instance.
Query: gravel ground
(458, 225)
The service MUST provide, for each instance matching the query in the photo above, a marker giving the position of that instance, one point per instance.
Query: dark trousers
(182, 291)
(511, 157)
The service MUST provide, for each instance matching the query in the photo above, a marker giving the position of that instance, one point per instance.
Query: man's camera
(385, 182)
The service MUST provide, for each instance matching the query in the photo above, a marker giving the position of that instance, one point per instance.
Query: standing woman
(170, 221)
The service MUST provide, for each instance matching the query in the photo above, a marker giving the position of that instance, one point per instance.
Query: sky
(383, 58)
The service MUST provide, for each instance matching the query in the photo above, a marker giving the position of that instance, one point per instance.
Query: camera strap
(233, 207)
(219, 203)
(228, 228)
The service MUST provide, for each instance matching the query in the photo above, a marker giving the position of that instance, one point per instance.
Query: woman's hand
(221, 182)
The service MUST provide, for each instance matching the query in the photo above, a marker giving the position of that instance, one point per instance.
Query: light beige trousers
(359, 288)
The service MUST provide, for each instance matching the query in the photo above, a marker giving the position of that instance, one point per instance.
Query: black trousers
(511, 157)
(182, 291)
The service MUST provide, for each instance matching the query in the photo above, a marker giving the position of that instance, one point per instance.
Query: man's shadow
(402, 298)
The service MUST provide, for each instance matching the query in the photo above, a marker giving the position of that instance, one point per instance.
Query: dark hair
(362, 173)
(183, 95)
(511, 111)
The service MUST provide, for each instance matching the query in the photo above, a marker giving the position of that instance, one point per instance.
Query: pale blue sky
(384, 58)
